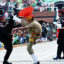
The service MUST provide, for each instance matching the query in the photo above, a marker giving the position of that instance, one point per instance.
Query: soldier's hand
(13, 30)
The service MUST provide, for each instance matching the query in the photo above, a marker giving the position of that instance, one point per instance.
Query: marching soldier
(5, 35)
(34, 29)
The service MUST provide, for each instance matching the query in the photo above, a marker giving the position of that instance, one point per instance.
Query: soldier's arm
(19, 28)
(57, 24)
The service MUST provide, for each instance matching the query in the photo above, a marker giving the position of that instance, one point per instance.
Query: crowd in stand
(37, 4)
(48, 29)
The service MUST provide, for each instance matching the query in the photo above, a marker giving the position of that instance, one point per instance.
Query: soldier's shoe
(37, 62)
(5, 62)
(56, 58)
(62, 58)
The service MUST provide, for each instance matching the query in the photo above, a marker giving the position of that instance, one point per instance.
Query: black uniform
(44, 32)
(6, 38)
(60, 40)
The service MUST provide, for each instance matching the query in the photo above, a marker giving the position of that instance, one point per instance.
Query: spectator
(49, 32)
(0, 44)
(44, 33)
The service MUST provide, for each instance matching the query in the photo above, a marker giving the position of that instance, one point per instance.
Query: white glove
(16, 19)
(58, 25)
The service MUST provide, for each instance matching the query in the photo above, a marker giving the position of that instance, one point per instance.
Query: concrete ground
(45, 53)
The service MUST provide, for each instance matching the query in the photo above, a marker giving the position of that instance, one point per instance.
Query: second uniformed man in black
(60, 40)
(6, 37)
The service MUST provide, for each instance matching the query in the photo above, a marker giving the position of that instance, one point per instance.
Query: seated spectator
(1, 44)
(16, 37)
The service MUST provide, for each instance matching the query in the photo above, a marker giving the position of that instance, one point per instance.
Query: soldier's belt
(61, 28)
(34, 33)
(31, 39)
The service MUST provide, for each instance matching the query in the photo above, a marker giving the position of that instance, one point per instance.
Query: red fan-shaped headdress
(26, 12)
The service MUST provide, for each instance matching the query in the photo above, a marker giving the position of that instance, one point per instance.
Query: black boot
(62, 57)
(56, 58)
(5, 62)
(37, 62)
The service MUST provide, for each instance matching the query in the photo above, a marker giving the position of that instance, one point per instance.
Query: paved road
(44, 52)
